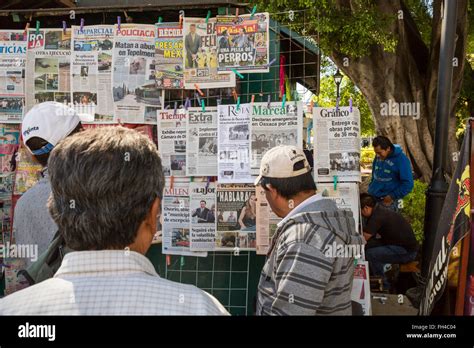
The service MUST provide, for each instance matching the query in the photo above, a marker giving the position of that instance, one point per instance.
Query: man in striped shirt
(303, 275)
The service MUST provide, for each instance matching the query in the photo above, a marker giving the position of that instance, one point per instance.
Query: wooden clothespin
(201, 93)
(171, 182)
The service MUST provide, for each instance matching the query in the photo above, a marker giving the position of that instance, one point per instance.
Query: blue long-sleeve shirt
(392, 176)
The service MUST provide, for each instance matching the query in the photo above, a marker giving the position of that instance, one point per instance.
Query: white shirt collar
(300, 207)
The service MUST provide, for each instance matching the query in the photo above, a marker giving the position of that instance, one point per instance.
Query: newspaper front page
(176, 219)
(203, 216)
(267, 222)
(233, 138)
(338, 144)
(201, 142)
(12, 74)
(346, 196)
(137, 99)
(172, 141)
(243, 43)
(169, 56)
(360, 292)
(200, 55)
(48, 67)
(273, 126)
(91, 71)
(236, 217)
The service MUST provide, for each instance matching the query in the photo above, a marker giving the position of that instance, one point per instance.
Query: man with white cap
(302, 274)
(43, 127)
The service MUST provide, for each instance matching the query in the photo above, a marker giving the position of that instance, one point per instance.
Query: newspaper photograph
(233, 140)
(243, 43)
(201, 142)
(48, 62)
(91, 71)
(346, 196)
(12, 72)
(273, 126)
(172, 141)
(176, 219)
(337, 135)
(200, 55)
(202, 215)
(168, 67)
(136, 97)
(236, 217)
(267, 222)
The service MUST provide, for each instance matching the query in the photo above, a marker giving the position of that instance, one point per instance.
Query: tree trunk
(409, 75)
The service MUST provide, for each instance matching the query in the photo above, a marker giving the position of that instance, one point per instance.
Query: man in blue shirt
(392, 178)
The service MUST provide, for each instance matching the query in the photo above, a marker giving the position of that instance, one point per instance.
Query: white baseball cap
(278, 162)
(52, 122)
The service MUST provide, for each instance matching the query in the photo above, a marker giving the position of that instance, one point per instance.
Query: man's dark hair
(290, 187)
(383, 142)
(203, 201)
(37, 143)
(104, 182)
(367, 200)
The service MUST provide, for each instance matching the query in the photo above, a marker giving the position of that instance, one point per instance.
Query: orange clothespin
(311, 105)
(199, 90)
(234, 94)
(253, 99)
(171, 182)
(27, 26)
(168, 260)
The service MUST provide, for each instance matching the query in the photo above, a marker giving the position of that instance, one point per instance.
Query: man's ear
(152, 216)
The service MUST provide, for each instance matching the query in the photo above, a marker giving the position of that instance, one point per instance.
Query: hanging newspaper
(236, 217)
(201, 142)
(243, 42)
(346, 196)
(136, 96)
(203, 215)
(233, 140)
(267, 222)
(48, 67)
(12, 73)
(168, 68)
(91, 71)
(338, 139)
(28, 171)
(172, 141)
(200, 55)
(360, 293)
(272, 126)
(176, 222)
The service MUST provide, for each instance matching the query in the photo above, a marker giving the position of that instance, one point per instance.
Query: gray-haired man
(107, 185)
(300, 276)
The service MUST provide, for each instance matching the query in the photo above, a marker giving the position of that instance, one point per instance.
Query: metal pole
(438, 188)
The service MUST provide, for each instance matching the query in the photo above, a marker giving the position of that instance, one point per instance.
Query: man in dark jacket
(202, 213)
(392, 178)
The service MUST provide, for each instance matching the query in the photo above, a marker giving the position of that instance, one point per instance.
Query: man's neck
(297, 200)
